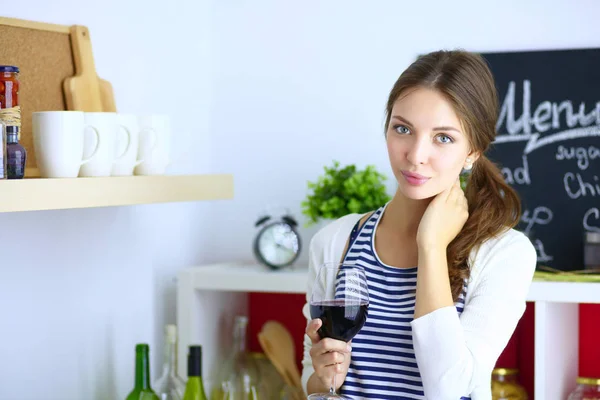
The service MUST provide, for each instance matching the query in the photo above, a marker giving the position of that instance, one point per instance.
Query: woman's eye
(402, 129)
(445, 139)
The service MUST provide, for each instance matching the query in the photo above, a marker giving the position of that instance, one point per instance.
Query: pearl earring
(469, 165)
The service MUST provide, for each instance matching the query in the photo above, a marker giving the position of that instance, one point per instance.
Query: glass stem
(333, 384)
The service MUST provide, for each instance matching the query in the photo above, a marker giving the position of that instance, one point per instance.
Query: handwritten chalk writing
(507, 112)
(534, 143)
(591, 220)
(582, 154)
(519, 129)
(520, 174)
(543, 112)
(576, 187)
(541, 253)
(541, 216)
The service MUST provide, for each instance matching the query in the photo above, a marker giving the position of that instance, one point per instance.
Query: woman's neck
(403, 215)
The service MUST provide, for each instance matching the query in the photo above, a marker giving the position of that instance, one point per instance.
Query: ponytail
(494, 207)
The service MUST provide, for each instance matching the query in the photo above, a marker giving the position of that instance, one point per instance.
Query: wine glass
(340, 298)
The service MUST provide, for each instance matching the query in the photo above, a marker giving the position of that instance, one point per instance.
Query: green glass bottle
(194, 388)
(142, 389)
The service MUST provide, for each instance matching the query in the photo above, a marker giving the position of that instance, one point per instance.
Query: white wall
(283, 88)
(298, 84)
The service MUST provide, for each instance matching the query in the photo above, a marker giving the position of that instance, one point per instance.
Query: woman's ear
(471, 158)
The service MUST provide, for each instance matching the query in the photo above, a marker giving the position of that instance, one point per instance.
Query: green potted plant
(344, 190)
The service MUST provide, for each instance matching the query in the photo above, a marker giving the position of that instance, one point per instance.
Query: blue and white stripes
(383, 362)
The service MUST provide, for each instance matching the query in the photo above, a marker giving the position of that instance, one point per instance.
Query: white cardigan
(455, 354)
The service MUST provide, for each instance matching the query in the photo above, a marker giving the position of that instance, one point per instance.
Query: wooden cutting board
(86, 91)
(45, 54)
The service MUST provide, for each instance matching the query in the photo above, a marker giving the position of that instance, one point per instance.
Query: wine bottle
(142, 389)
(194, 388)
(170, 386)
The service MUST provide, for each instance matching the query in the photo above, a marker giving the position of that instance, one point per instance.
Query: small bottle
(16, 155)
(194, 388)
(142, 389)
(10, 111)
(170, 386)
(2, 151)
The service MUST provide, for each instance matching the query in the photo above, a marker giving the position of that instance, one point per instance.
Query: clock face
(278, 244)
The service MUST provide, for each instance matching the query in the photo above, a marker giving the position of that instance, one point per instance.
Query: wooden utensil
(85, 91)
(107, 96)
(278, 345)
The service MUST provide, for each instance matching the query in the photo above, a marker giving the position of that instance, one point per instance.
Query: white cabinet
(208, 297)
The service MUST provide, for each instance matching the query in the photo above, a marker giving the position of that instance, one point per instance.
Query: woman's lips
(414, 179)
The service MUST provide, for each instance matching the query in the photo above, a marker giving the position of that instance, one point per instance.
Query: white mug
(105, 124)
(127, 125)
(58, 138)
(155, 144)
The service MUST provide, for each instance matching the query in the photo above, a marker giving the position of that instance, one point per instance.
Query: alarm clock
(277, 243)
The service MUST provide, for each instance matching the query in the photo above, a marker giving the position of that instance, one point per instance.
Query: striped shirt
(383, 364)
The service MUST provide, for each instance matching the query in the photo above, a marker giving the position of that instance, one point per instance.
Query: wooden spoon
(278, 345)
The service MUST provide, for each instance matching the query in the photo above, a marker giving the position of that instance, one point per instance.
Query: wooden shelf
(57, 194)
(248, 277)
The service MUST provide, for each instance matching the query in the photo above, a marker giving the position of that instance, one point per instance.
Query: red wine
(341, 320)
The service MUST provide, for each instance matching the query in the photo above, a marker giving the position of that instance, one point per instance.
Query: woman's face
(426, 143)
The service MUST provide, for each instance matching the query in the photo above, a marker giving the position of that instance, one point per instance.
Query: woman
(448, 275)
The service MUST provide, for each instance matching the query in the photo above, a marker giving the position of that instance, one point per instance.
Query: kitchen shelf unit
(209, 296)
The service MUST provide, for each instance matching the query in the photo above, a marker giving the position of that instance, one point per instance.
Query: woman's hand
(329, 356)
(443, 219)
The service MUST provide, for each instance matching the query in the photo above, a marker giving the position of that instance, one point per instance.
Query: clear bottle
(194, 389)
(238, 376)
(16, 155)
(505, 385)
(587, 389)
(170, 386)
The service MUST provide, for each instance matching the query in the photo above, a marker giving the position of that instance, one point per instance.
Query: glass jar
(10, 112)
(587, 389)
(291, 393)
(505, 385)
(591, 253)
(270, 382)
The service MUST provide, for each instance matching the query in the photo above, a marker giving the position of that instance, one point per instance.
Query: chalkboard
(548, 146)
